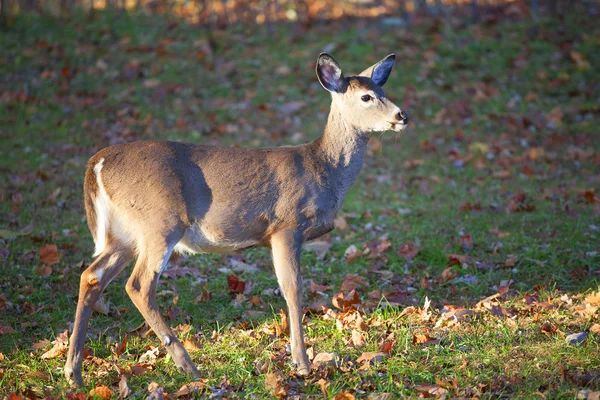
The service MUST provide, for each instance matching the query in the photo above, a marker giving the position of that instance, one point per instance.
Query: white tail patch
(101, 205)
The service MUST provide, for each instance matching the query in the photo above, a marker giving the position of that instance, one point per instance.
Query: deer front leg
(286, 258)
(141, 288)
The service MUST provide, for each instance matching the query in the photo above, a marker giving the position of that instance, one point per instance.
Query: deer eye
(366, 97)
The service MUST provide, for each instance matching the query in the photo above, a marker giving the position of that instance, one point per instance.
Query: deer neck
(342, 149)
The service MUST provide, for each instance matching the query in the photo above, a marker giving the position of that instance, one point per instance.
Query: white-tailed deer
(147, 199)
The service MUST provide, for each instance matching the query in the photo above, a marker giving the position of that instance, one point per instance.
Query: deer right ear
(330, 74)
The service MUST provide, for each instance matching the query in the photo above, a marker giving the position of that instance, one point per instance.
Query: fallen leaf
(408, 251)
(59, 348)
(388, 346)
(358, 340)
(41, 344)
(429, 390)
(124, 389)
(325, 359)
(121, 347)
(549, 328)
(274, 382)
(235, 285)
(320, 247)
(344, 395)
(156, 391)
(352, 253)
(424, 339)
(49, 254)
(352, 282)
(324, 386)
(191, 388)
(102, 307)
(317, 287)
(240, 266)
(346, 302)
(371, 357)
(4, 329)
(340, 223)
(101, 391)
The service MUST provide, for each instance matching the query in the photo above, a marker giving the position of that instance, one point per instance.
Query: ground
(466, 256)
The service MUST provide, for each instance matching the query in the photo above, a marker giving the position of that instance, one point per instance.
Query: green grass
(485, 96)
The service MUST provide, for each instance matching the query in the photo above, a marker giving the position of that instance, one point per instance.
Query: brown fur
(165, 196)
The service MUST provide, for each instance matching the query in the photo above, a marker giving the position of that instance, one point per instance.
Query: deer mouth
(397, 126)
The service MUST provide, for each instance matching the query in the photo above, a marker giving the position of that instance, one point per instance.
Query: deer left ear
(380, 72)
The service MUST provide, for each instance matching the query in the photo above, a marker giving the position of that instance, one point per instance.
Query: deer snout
(402, 117)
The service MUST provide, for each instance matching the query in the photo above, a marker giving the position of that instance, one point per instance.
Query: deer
(147, 199)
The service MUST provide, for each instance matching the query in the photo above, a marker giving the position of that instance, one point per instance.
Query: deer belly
(199, 239)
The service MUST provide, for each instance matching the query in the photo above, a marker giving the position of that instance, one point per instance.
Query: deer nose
(402, 116)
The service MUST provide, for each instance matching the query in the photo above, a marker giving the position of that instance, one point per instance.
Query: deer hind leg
(141, 288)
(286, 258)
(93, 281)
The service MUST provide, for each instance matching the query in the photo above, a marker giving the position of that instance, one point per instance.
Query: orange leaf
(101, 391)
(49, 254)
(343, 395)
(121, 347)
(235, 285)
(420, 338)
(388, 346)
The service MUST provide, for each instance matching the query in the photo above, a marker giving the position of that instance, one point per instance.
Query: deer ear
(380, 72)
(330, 74)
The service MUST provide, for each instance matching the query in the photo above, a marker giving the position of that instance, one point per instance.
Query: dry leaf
(235, 285)
(101, 391)
(371, 357)
(49, 254)
(191, 388)
(340, 223)
(274, 381)
(121, 347)
(358, 340)
(352, 282)
(343, 395)
(4, 329)
(102, 307)
(352, 253)
(124, 389)
(325, 359)
(347, 302)
(424, 339)
(320, 247)
(408, 251)
(59, 348)
(317, 287)
(190, 345)
(324, 386)
(388, 346)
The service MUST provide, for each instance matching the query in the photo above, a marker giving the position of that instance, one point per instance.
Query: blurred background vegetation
(222, 13)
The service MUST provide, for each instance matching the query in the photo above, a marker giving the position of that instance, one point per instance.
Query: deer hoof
(301, 369)
(75, 379)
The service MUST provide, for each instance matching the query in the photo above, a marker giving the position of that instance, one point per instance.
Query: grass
(503, 149)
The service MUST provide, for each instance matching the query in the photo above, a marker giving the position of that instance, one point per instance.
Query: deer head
(360, 100)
